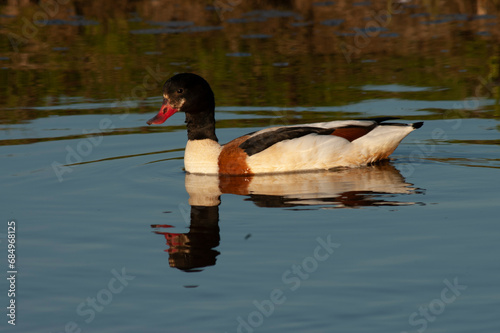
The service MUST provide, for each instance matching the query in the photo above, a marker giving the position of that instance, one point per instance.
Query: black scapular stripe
(260, 142)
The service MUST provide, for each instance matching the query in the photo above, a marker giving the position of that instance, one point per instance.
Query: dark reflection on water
(196, 248)
(380, 184)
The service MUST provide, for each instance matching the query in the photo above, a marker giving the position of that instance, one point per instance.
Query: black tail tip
(418, 125)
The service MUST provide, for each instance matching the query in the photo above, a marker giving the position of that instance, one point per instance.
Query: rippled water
(113, 236)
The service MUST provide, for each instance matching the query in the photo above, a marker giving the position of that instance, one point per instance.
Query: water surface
(113, 236)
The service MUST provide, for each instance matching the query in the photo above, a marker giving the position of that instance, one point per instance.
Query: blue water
(399, 231)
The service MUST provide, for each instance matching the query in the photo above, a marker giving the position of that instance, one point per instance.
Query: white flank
(378, 144)
(322, 152)
(310, 152)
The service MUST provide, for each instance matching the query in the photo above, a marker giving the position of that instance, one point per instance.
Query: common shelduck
(308, 147)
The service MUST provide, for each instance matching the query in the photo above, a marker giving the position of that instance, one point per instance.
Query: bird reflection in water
(194, 249)
(376, 185)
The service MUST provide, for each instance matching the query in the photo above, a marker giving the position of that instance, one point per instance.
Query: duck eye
(180, 91)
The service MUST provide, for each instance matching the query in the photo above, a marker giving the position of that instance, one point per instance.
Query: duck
(278, 149)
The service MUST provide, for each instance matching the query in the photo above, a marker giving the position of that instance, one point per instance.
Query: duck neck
(201, 125)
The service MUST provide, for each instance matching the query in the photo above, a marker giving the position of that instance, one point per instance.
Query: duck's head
(185, 92)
